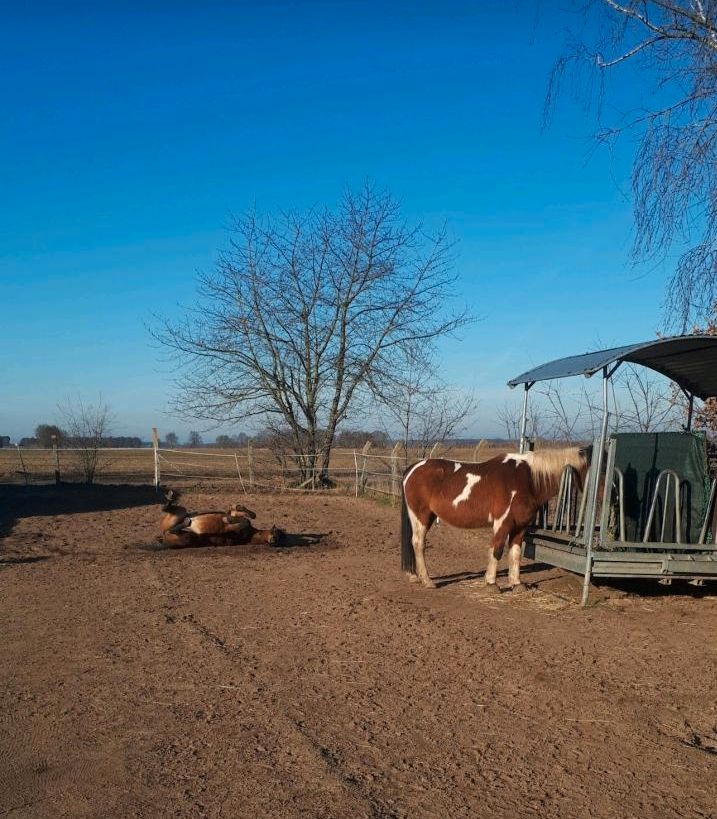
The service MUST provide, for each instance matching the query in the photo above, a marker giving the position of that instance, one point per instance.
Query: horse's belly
(463, 517)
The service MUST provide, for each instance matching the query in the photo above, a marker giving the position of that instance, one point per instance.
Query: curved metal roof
(690, 361)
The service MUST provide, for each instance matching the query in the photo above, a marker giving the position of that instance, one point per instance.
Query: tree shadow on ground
(64, 499)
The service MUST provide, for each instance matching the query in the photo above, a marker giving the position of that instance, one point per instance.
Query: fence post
(155, 447)
(394, 475)
(250, 465)
(477, 449)
(364, 466)
(56, 458)
(241, 481)
(357, 473)
(22, 463)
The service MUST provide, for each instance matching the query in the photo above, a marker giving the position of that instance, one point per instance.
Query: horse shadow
(462, 577)
(302, 540)
(288, 541)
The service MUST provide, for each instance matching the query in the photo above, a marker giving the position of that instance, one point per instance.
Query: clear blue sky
(130, 131)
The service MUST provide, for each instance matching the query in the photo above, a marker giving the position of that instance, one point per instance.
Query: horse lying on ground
(182, 528)
(505, 492)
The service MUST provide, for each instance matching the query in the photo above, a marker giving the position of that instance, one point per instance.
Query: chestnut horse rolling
(182, 528)
(504, 492)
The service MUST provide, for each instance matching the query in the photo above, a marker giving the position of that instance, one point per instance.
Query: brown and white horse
(504, 492)
(182, 528)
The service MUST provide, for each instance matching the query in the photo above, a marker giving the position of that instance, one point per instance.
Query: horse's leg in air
(419, 542)
(516, 541)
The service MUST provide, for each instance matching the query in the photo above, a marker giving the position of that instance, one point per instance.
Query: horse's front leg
(516, 541)
(495, 552)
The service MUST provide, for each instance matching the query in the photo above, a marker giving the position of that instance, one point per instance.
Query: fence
(26, 465)
(355, 471)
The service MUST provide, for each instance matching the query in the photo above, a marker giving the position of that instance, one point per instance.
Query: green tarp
(641, 457)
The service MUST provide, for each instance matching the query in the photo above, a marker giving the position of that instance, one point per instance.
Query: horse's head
(586, 455)
(276, 536)
(170, 500)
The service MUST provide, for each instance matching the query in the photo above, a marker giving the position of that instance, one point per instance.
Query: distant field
(264, 470)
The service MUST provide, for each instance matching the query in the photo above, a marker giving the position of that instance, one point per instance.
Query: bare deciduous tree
(665, 52)
(425, 410)
(306, 316)
(648, 402)
(563, 413)
(706, 411)
(44, 433)
(510, 417)
(87, 428)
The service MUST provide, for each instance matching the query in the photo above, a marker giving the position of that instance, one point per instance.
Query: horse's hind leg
(419, 544)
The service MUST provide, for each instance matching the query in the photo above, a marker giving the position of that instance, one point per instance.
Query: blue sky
(130, 133)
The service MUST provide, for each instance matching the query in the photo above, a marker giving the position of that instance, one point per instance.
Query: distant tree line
(44, 434)
(273, 439)
(270, 438)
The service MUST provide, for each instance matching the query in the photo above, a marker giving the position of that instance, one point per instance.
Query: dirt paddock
(314, 681)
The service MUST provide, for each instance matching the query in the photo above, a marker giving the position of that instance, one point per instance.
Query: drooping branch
(666, 50)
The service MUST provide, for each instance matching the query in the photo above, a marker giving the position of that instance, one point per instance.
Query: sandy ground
(314, 681)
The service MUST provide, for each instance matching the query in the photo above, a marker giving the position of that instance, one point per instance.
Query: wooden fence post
(394, 475)
(22, 470)
(155, 447)
(56, 458)
(241, 480)
(364, 466)
(477, 449)
(250, 465)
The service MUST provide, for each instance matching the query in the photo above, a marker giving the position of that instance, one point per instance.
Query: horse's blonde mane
(549, 463)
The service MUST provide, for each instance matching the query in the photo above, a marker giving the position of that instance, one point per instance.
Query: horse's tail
(408, 557)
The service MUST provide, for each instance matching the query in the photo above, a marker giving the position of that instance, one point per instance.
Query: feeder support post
(524, 419)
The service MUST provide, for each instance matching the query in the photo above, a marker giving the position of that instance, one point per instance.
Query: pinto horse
(505, 492)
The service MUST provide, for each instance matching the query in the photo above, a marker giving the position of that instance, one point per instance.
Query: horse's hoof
(429, 584)
(519, 588)
(491, 588)
(412, 578)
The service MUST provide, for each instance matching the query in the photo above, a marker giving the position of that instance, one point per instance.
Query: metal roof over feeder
(689, 361)
(610, 532)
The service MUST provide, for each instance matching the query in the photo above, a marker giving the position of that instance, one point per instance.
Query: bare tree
(171, 439)
(305, 317)
(665, 52)
(87, 428)
(706, 411)
(563, 413)
(511, 415)
(45, 434)
(194, 439)
(425, 410)
(649, 403)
